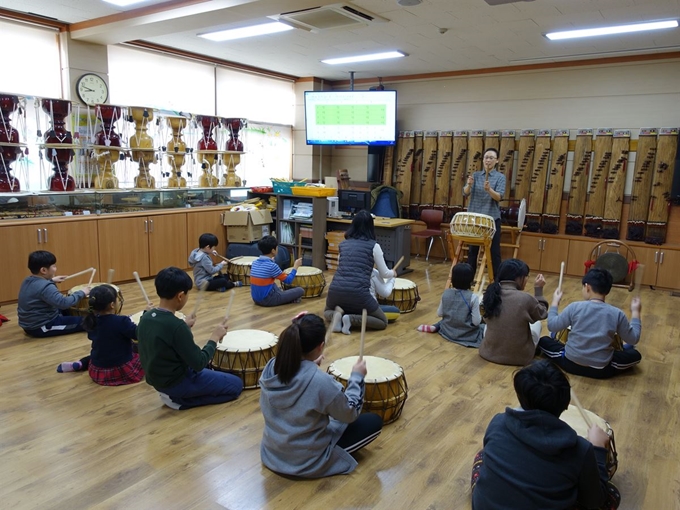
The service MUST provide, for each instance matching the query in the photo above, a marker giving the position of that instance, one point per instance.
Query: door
(124, 246)
(555, 251)
(668, 275)
(579, 252)
(649, 257)
(17, 243)
(530, 251)
(75, 243)
(167, 242)
(205, 222)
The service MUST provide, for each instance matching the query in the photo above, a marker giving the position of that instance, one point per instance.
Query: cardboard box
(334, 239)
(247, 226)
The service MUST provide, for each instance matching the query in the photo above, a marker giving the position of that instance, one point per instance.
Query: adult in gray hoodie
(310, 425)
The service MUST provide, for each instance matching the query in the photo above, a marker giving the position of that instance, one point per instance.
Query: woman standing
(351, 285)
(485, 189)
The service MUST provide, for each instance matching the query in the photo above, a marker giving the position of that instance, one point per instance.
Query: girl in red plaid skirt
(112, 360)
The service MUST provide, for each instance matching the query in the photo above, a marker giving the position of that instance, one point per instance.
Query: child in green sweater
(174, 365)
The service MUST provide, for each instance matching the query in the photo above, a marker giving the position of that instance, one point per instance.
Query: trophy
(207, 151)
(176, 152)
(234, 150)
(107, 143)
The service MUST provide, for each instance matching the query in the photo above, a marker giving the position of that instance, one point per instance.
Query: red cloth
(130, 373)
(3, 319)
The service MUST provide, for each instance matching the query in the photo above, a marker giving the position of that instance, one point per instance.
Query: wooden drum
(82, 307)
(238, 269)
(573, 418)
(309, 278)
(245, 353)
(478, 226)
(404, 295)
(385, 382)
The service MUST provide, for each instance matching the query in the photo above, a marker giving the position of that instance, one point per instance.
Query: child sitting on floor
(263, 275)
(459, 310)
(532, 459)
(203, 268)
(589, 351)
(41, 306)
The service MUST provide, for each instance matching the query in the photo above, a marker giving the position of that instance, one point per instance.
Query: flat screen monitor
(352, 201)
(357, 117)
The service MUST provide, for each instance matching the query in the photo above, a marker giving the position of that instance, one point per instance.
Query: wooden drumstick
(199, 298)
(235, 258)
(336, 317)
(396, 266)
(220, 256)
(559, 285)
(231, 302)
(639, 271)
(80, 273)
(580, 409)
(141, 287)
(364, 315)
(94, 271)
(109, 279)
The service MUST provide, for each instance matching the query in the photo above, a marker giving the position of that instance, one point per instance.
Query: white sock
(346, 324)
(165, 398)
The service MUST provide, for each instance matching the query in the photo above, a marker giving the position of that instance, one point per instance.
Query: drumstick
(94, 271)
(363, 333)
(336, 316)
(231, 302)
(109, 280)
(84, 271)
(199, 298)
(559, 286)
(396, 266)
(141, 287)
(580, 409)
(235, 258)
(220, 256)
(639, 271)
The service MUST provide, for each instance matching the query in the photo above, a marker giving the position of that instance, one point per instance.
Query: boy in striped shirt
(264, 273)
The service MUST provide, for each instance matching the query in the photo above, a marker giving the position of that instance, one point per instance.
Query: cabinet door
(124, 246)
(579, 252)
(76, 246)
(530, 251)
(167, 242)
(649, 257)
(668, 275)
(204, 222)
(17, 243)
(555, 251)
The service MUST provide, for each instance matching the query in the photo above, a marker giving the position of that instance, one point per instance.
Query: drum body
(404, 295)
(563, 335)
(514, 214)
(385, 383)
(309, 278)
(82, 307)
(573, 418)
(239, 269)
(473, 225)
(245, 353)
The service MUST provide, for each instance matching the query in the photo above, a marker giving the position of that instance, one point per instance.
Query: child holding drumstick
(203, 268)
(310, 424)
(41, 305)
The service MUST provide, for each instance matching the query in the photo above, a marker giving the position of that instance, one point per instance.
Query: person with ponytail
(112, 361)
(311, 426)
(512, 316)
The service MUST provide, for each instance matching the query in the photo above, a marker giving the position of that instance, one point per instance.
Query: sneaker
(298, 300)
(238, 284)
(165, 398)
(222, 289)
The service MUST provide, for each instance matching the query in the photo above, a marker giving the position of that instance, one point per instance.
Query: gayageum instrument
(539, 176)
(579, 181)
(602, 157)
(662, 181)
(553, 200)
(616, 181)
(642, 184)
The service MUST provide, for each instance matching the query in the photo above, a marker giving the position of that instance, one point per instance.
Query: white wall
(621, 96)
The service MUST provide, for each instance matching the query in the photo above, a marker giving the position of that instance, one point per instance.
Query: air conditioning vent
(329, 17)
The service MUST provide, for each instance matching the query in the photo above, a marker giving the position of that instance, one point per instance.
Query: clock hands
(88, 89)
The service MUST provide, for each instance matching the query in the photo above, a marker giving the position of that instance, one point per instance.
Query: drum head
(81, 287)
(403, 283)
(573, 418)
(378, 369)
(615, 263)
(305, 271)
(243, 261)
(247, 340)
(521, 216)
(136, 316)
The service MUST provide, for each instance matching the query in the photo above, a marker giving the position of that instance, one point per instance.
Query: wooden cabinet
(291, 221)
(205, 222)
(543, 253)
(579, 252)
(662, 266)
(145, 244)
(74, 244)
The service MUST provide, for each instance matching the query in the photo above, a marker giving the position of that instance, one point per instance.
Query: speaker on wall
(675, 189)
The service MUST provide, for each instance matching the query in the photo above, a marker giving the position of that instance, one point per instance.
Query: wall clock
(92, 89)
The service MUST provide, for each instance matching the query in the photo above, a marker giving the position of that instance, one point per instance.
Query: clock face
(92, 89)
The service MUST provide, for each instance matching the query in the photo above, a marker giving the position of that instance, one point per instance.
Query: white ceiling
(476, 35)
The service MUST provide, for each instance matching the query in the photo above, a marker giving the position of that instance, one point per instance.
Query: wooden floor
(66, 442)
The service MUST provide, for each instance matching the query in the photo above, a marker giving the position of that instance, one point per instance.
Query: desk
(393, 235)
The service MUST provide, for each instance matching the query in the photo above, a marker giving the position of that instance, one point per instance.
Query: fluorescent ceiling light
(364, 58)
(123, 3)
(251, 31)
(621, 29)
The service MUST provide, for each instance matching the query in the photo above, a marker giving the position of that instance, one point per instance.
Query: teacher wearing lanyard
(485, 189)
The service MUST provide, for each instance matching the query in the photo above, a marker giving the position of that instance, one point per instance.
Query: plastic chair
(433, 219)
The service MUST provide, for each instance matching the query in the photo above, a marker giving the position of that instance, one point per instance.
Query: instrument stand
(485, 263)
(515, 236)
